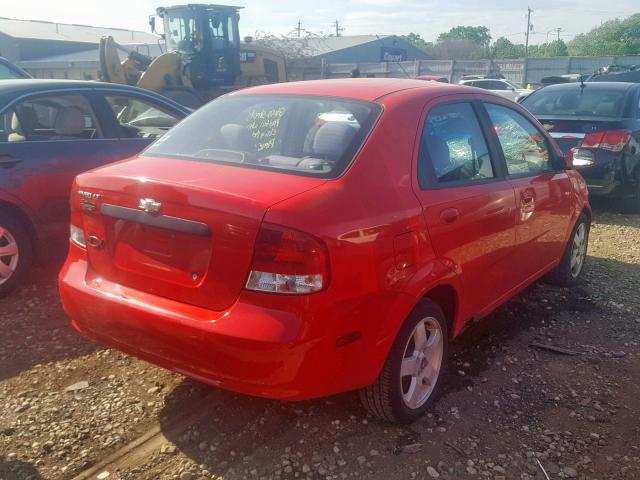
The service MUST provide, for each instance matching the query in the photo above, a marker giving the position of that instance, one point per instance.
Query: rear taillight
(288, 261)
(76, 232)
(77, 236)
(611, 140)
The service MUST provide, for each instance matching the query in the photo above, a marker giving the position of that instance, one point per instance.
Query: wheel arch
(19, 214)
(587, 212)
(446, 297)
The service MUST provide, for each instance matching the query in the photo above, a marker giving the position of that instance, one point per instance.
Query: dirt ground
(67, 404)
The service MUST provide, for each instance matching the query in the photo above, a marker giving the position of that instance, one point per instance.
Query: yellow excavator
(204, 57)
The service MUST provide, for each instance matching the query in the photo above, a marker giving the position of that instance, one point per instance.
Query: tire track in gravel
(141, 448)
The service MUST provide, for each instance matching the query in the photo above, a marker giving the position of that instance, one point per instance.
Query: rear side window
(525, 148)
(453, 147)
(312, 135)
(588, 101)
(56, 117)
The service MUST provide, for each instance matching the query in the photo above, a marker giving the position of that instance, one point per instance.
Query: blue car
(50, 131)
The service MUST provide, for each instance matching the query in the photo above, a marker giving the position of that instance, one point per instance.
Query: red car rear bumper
(248, 349)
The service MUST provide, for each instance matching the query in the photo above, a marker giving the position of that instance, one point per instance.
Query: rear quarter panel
(363, 217)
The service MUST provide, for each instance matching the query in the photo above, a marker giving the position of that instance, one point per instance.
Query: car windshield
(597, 102)
(311, 135)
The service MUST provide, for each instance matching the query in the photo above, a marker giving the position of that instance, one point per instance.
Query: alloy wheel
(578, 250)
(9, 255)
(421, 362)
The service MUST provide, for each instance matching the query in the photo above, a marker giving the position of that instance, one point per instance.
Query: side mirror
(152, 23)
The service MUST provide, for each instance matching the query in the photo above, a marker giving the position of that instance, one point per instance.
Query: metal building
(56, 48)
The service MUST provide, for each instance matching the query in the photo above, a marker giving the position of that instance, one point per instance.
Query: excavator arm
(164, 74)
(112, 69)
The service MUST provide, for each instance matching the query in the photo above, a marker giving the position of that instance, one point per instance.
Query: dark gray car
(598, 123)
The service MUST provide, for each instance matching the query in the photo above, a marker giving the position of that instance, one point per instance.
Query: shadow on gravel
(35, 329)
(231, 431)
(18, 470)
(230, 426)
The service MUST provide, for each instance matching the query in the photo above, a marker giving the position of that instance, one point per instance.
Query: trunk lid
(568, 131)
(180, 229)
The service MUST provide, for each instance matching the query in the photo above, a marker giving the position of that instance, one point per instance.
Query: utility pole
(299, 28)
(558, 30)
(338, 28)
(526, 44)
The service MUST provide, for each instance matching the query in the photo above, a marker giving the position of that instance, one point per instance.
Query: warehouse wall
(32, 48)
(9, 48)
(373, 51)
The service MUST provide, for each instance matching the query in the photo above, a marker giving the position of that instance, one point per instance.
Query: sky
(382, 17)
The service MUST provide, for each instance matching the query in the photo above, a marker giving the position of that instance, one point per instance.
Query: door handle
(8, 161)
(449, 215)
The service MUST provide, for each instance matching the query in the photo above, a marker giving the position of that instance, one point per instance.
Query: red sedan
(301, 239)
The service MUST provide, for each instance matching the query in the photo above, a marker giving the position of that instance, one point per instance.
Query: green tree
(478, 35)
(615, 37)
(418, 42)
(505, 48)
(557, 48)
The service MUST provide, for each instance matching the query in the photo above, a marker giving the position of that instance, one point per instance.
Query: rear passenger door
(468, 204)
(50, 138)
(542, 190)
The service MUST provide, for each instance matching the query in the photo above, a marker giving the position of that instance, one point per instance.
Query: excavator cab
(207, 38)
(203, 58)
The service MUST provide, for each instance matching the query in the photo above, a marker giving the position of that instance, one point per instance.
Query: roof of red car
(367, 89)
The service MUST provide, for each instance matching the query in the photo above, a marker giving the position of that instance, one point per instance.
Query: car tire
(568, 271)
(16, 243)
(399, 398)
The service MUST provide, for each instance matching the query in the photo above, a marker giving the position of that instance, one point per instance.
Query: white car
(500, 86)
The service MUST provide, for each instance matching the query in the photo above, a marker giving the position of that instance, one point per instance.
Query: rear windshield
(310, 135)
(585, 102)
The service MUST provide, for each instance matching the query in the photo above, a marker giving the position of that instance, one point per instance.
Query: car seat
(21, 126)
(237, 137)
(69, 123)
(332, 140)
(439, 154)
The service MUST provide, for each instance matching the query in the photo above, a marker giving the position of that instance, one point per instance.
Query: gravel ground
(68, 403)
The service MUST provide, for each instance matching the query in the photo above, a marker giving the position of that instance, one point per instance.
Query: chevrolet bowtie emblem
(149, 205)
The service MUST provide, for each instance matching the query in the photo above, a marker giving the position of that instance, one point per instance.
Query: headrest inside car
(237, 137)
(69, 122)
(332, 140)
